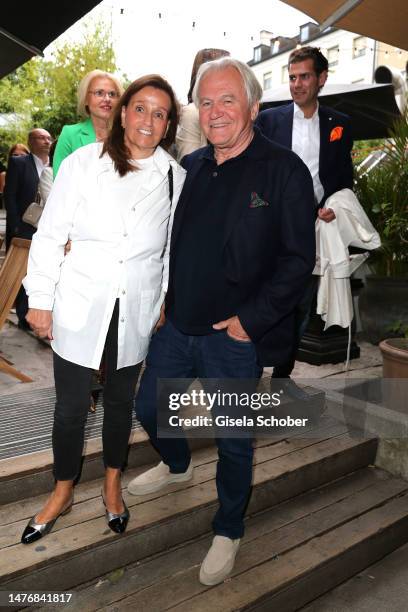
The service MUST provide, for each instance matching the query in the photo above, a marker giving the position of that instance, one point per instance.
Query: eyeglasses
(101, 93)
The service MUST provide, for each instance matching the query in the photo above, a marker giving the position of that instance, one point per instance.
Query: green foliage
(43, 92)
(399, 328)
(9, 136)
(383, 193)
(361, 148)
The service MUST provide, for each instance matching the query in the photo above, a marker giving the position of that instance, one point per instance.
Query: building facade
(352, 58)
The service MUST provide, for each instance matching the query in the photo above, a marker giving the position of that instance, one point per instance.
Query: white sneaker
(219, 561)
(156, 478)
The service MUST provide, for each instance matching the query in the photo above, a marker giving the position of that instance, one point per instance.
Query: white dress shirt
(39, 164)
(306, 144)
(120, 234)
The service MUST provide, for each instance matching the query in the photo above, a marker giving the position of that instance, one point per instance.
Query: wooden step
(290, 554)
(81, 547)
(28, 473)
(31, 475)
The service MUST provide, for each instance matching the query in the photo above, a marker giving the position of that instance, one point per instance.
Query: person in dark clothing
(23, 175)
(242, 251)
(322, 138)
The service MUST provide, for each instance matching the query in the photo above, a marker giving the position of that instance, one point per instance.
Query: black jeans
(73, 390)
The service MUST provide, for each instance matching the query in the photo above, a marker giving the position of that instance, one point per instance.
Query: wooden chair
(12, 273)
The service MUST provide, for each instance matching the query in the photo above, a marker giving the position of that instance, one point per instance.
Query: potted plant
(395, 366)
(383, 193)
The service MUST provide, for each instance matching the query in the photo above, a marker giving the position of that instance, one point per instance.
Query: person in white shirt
(115, 202)
(190, 136)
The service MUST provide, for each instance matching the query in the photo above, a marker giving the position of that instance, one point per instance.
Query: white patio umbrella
(383, 20)
(372, 108)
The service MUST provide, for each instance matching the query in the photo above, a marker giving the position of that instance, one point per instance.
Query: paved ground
(28, 355)
(34, 358)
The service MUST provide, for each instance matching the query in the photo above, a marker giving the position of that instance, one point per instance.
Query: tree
(42, 93)
(16, 91)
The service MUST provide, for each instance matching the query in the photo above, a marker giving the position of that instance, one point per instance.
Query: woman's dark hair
(203, 56)
(320, 63)
(52, 151)
(115, 143)
(18, 145)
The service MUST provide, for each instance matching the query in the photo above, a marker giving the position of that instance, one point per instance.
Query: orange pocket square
(336, 133)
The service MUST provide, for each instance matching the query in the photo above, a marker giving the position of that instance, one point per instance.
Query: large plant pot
(395, 373)
(383, 302)
(395, 357)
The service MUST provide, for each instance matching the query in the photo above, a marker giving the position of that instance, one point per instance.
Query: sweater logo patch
(256, 201)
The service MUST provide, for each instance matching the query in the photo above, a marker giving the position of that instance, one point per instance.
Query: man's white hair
(252, 86)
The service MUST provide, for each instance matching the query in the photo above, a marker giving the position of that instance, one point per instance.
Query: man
(242, 251)
(23, 174)
(322, 139)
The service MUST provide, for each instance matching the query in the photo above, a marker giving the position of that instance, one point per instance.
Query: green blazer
(72, 138)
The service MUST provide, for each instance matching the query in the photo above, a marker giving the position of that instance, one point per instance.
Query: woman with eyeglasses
(98, 95)
(115, 202)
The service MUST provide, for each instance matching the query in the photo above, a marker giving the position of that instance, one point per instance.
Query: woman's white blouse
(120, 235)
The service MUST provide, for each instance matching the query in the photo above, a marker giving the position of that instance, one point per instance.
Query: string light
(387, 52)
(299, 45)
(333, 48)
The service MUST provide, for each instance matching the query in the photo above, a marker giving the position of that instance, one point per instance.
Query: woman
(47, 177)
(114, 202)
(98, 96)
(189, 135)
(15, 151)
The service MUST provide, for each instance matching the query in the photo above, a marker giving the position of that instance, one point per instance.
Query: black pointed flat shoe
(116, 522)
(35, 531)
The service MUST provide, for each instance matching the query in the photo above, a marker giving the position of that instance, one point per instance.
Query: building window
(267, 80)
(275, 47)
(284, 74)
(257, 54)
(304, 32)
(359, 46)
(333, 56)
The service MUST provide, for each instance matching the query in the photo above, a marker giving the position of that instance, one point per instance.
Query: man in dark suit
(322, 139)
(242, 251)
(22, 178)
